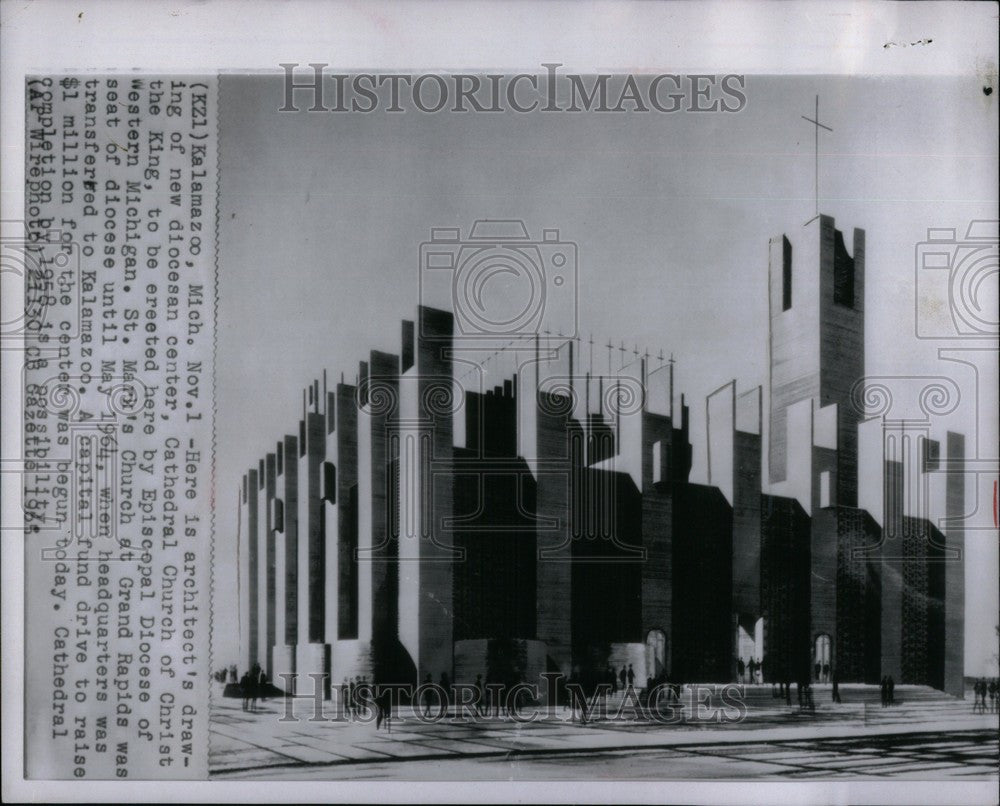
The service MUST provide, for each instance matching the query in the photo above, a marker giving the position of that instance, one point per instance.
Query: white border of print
(195, 37)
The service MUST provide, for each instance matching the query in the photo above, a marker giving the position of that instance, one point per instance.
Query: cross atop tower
(816, 126)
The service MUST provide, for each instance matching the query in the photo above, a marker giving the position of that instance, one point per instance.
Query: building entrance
(656, 654)
(750, 650)
(821, 658)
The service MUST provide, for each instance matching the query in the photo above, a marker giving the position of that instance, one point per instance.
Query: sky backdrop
(322, 216)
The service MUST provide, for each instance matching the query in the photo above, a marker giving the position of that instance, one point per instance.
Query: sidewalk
(244, 741)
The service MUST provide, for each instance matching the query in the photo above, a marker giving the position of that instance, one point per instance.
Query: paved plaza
(921, 737)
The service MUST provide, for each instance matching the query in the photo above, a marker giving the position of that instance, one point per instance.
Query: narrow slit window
(330, 482)
(843, 273)
(786, 273)
(825, 492)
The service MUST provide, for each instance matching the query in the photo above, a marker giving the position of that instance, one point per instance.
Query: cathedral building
(416, 522)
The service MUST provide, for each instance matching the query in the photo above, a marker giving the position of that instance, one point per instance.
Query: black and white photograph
(601, 443)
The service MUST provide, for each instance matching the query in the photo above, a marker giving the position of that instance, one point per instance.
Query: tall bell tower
(817, 342)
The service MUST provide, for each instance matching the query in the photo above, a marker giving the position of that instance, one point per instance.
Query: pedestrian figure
(427, 694)
(383, 709)
(262, 685)
(993, 695)
(379, 712)
(481, 699)
(740, 670)
(513, 706)
(622, 676)
(753, 670)
(446, 687)
(978, 699)
(245, 690)
(826, 672)
(570, 694)
(576, 695)
(613, 680)
(254, 682)
(816, 670)
(631, 676)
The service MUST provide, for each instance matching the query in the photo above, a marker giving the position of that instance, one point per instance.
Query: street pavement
(927, 735)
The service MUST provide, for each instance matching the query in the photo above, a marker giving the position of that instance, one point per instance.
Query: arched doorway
(750, 649)
(656, 654)
(822, 658)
